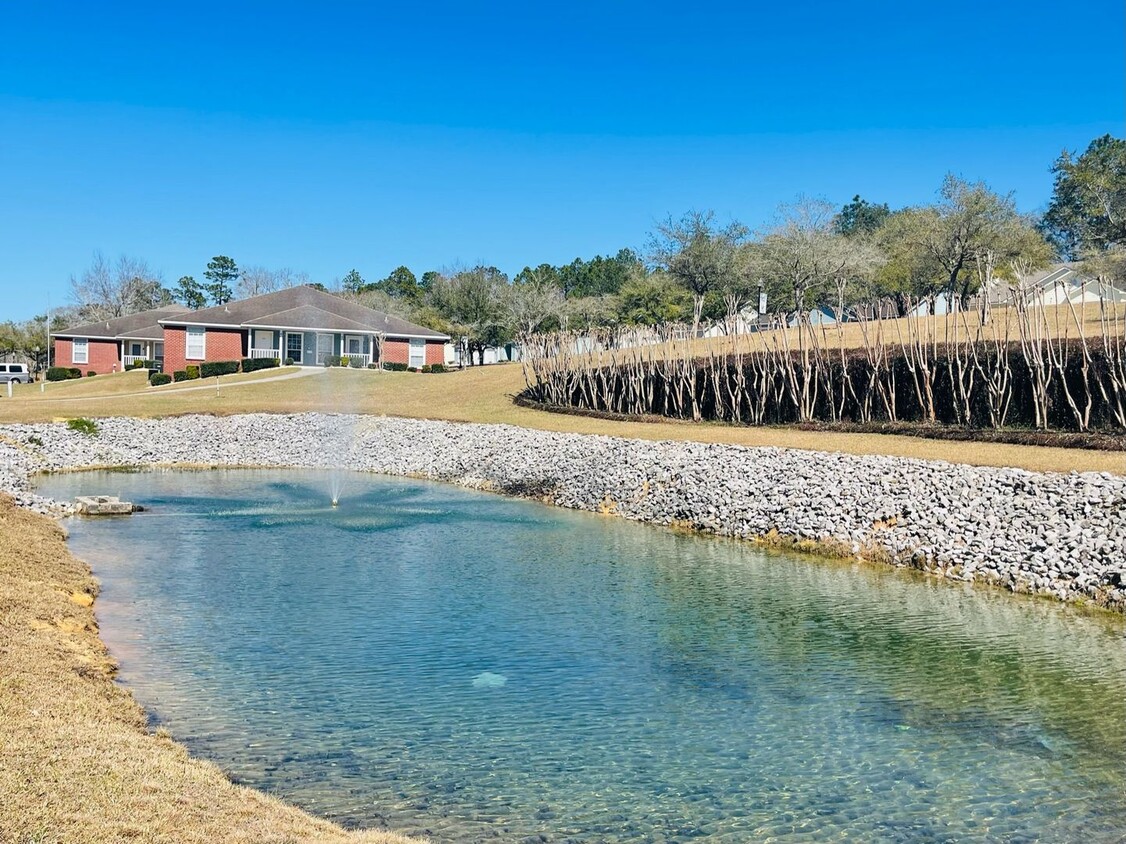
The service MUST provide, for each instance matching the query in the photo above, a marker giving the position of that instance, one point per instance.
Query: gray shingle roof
(141, 325)
(309, 316)
(287, 308)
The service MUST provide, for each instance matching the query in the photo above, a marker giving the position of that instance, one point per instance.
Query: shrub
(254, 364)
(289, 361)
(75, 372)
(62, 373)
(90, 373)
(179, 375)
(218, 367)
(412, 369)
(395, 367)
(158, 379)
(332, 360)
(83, 426)
(191, 371)
(356, 363)
(435, 367)
(373, 366)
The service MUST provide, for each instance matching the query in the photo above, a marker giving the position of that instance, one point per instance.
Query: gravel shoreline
(1059, 535)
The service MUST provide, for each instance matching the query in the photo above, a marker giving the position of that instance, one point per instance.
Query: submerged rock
(489, 680)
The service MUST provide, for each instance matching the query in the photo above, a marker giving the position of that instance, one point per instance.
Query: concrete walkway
(211, 384)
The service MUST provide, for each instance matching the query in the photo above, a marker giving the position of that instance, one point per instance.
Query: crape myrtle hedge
(725, 388)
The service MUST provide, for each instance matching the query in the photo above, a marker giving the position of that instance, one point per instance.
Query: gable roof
(309, 316)
(302, 307)
(143, 325)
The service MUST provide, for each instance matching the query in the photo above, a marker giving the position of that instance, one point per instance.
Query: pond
(432, 659)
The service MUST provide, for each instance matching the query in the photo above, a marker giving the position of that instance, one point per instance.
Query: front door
(293, 344)
(324, 348)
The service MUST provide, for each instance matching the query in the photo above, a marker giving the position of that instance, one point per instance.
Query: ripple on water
(431, 659)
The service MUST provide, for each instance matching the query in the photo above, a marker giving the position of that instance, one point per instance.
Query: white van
(16, 372)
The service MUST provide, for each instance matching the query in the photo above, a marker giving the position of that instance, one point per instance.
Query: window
(417, 357)
(355, 345)
(196, 346)
(81, 352)
(293, 346)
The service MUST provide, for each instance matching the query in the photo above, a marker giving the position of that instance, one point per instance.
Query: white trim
(421, 346)
(300, 359)
(319, 356)
(202, 353)
(230, 326)
(371, 332)
(246, 326)
(85, 350)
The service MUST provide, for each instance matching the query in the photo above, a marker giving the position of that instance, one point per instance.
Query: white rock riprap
(1052, 534)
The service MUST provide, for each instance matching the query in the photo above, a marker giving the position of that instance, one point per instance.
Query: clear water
(435, 660)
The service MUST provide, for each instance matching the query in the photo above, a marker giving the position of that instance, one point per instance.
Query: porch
(313, 348)
(142, 352)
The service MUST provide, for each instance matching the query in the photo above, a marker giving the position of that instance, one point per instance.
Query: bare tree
(256, 280)
(531, 306)
(111, 289)
(805, 257)
(699, 255)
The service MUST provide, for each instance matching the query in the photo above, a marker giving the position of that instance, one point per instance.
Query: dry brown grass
(484, 394)
(76, 761)
(1060, 321)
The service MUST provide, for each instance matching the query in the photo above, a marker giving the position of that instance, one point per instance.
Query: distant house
(302, 324)
(114, 344)
(1063, 283)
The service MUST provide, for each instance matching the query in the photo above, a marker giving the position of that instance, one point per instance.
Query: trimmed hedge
(395, 367)
(90, 373)
(218, 367)
(63, 373)
(158, 379)
(842, 386)
(191, 371)
(254, 364)
(179, 375)
(435, 367)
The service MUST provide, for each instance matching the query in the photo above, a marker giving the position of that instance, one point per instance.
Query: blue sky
(322, 137)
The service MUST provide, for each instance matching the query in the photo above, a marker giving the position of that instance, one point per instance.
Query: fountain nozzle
(335, 502)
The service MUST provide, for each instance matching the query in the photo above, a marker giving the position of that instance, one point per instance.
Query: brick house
(302, 324)
(115, 344)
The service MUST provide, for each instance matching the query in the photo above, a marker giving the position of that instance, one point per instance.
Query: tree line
(696, 269)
